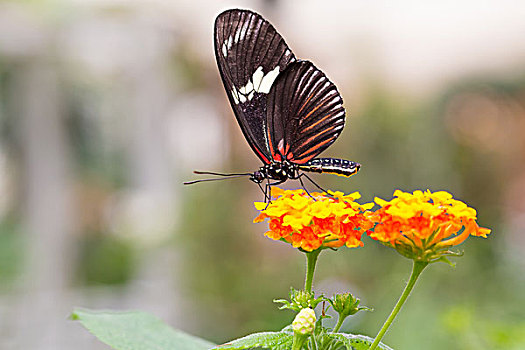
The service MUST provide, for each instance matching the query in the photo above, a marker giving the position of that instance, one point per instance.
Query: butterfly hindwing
(305, 113)
(250, 55)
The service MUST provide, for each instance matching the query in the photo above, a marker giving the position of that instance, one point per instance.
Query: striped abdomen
(331, 166)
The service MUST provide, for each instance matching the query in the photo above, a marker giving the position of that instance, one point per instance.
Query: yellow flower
(327, 221)
(423, 225)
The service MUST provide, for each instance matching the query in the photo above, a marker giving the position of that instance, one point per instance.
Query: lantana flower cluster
(423, 225)
(315, 220)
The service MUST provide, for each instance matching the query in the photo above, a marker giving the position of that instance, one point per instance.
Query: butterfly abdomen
(335, 166)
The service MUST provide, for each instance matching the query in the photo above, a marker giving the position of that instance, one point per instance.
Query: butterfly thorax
(278, 171)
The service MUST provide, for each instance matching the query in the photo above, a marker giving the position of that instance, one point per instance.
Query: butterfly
(288, 110)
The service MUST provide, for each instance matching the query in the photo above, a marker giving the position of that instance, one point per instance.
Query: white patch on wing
(241, 33)
(237, 36)
(245, 90)
(267, 81)
(226, 46)
(257, 78)
(258, 83)
(341, 113)
(235, 96)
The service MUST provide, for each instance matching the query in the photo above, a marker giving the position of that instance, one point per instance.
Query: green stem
(417, 268)
(339, 324)
(313, 341)
(298, 342)
(311, 259)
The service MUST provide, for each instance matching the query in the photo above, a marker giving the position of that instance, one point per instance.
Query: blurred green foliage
(234, 283)
(11, 252)
(105, 260)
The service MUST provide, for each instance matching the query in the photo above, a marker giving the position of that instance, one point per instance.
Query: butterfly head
(258, 176)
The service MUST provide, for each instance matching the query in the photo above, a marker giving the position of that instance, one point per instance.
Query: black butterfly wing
(250, 55)
(305, 113)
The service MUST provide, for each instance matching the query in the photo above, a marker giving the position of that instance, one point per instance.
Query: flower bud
(345, 304)
(304, 322)
(303, 299)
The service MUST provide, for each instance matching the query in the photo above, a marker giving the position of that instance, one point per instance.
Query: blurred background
(106, 106)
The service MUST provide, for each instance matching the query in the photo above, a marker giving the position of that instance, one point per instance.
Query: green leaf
(267, 340)
(357, 342)
(135, 330)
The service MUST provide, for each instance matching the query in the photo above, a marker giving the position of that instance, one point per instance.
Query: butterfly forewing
(250, 55)
(305, 113)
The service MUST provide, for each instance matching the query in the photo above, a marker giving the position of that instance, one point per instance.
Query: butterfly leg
(304, 187)
(312, 181)
(268, 191)
(266, 198)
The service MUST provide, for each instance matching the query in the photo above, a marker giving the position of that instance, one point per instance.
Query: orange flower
(423, 225)
(328, 221)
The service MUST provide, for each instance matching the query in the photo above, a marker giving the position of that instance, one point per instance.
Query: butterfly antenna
(220, 174)
(225, 176)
